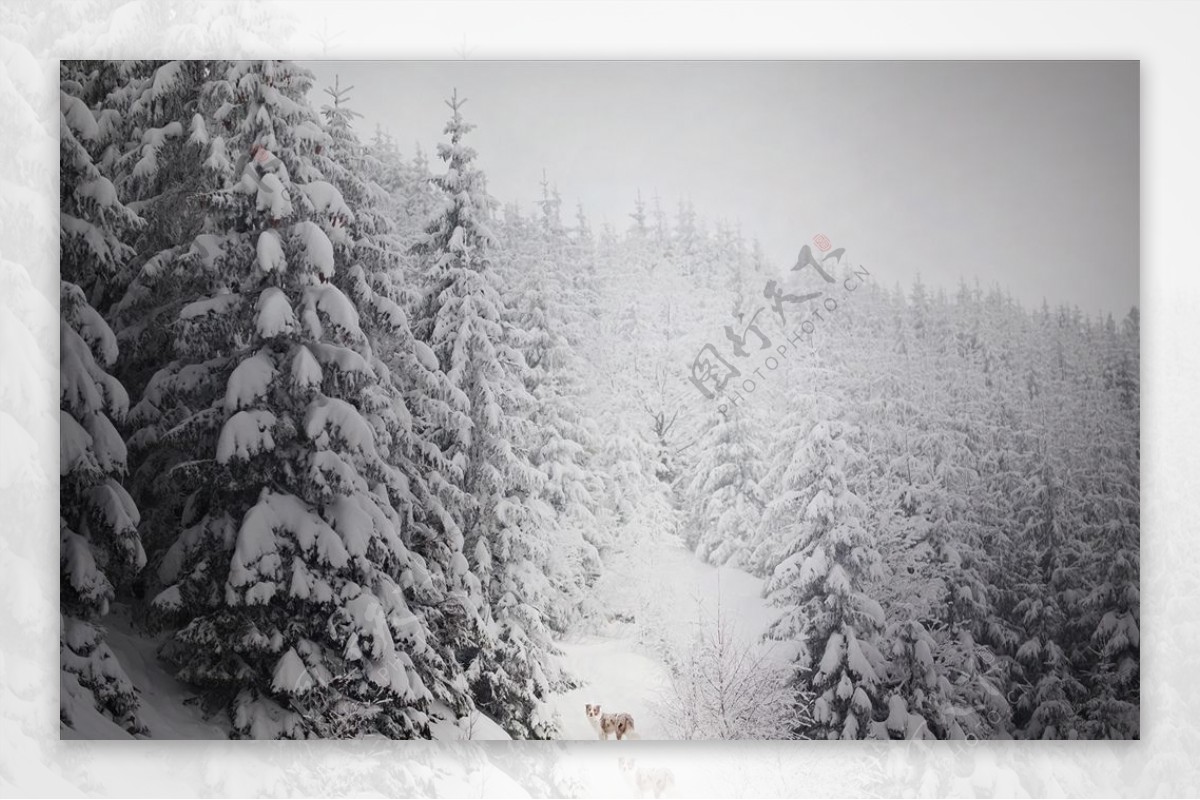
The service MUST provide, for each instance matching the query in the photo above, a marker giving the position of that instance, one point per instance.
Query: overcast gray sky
(1021, 173)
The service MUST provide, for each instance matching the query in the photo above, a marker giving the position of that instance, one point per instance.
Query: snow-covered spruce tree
(100, 548)
(1108, 637)
(1111, 503)
(1076, 511)
(585, 273)
(686, 239)
(822, 586)
(163, 163)
(536, 261)
(957, 565)
(571, 488)
(1044, 603)
(512, 662)
(290, 573)
(639, 229)
(782, 483)
(559, 315)
(159, 168)
(411, 195)
(957, 692)
(1114, 692)
(374, 247)
(1022, 521)
(919, 490)
(724, 497)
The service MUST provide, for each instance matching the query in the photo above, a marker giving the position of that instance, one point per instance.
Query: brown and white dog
(606, 724)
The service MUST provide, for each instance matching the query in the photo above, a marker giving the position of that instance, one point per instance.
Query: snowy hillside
(352, 449)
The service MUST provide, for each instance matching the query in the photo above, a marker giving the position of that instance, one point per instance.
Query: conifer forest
(351, 448)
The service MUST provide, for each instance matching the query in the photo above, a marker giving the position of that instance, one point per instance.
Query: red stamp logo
(822, 242)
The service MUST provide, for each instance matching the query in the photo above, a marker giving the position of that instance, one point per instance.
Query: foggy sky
(1020, 173)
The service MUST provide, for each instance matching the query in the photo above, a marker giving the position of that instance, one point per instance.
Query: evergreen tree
(290, 572)
(100, 549)
(464, 320)
(823, 585)
(640, 229)
(411, 372)
(724, 494)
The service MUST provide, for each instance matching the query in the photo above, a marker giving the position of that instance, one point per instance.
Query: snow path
(617, 677)
(666, 594)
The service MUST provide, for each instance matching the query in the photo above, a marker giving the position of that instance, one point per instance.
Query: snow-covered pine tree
(643, 250)
(1111, 502)
(639, 229)
(957, 692)
(919, 490)
(512, 663)
(411, 196)
(660, 230)
(1046, 565)
(582, 233)
(375, 249)
(585, 277)
(289, 569)
(165, 164)
(686, 242)
(780, 483)
(823, 587)
(551, 321)
(724, 497)
(159, 166)
(100, 547)
(1112, 707)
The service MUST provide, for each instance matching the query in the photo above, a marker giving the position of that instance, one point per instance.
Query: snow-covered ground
(664, 596)
(659, 592)
(615, 675)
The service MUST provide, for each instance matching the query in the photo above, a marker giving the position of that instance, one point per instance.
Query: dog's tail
(632, 734)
